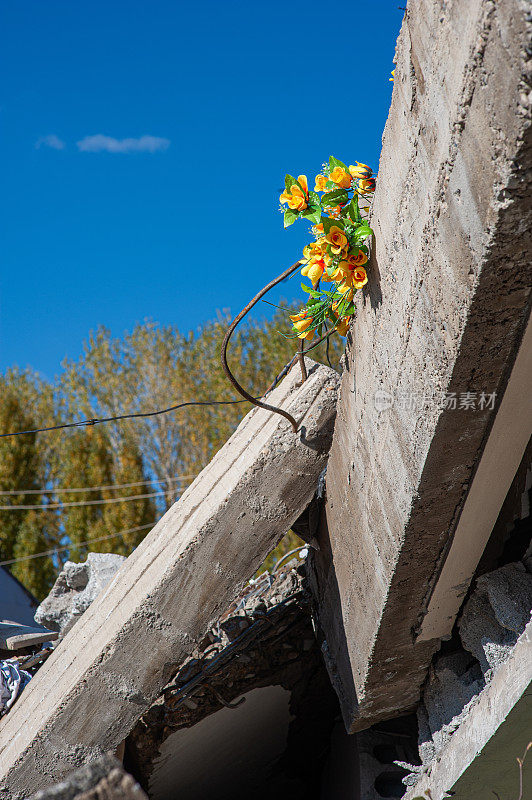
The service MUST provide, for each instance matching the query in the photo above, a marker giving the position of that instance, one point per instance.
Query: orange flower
(321, 180)
(356, 259)
(301, 324)
(360, 171)
(314, 270)
(341, 178)
(357, 277)
(343, 326)
(351, 276)
(317, 228)
(296, 197)
(337, 239)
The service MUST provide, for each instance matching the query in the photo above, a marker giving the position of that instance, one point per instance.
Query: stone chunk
(104, 779)
(74, 590)
(496, 614)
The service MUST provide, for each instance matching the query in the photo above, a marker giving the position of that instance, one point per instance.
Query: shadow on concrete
(373, 286)
(327, 598)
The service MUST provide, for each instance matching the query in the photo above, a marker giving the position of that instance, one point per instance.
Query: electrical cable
(95, 488)
(99, 420)
(71, 546)
(54, 506)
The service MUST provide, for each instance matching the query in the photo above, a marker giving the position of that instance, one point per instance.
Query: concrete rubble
(496, 614)
(493, 619)
(103, 779)
(77, 585)
(110, 667)
(261, 656)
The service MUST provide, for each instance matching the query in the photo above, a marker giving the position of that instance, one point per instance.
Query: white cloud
(100, 143)
(52, 141)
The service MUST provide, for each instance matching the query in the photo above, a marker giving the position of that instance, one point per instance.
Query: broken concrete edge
(266, 639)
(398, 474)
(103, 778)
(486, 713)
(492, 620)
(113, 663)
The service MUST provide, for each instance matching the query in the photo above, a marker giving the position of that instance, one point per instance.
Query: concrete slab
(15, 637)
(443, 317)
(110, 667)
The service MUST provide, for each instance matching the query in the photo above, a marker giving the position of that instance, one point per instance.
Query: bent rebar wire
(240, 389)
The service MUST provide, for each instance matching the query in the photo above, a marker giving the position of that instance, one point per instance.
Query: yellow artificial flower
(314, 271)
(341, 178)
(360, 171)
(337, 239)
(321, 180)
(393, 76)
(343, 326)
(301, 324)
(356, 259)
(345, 289)
(297, 197)
(357, 277)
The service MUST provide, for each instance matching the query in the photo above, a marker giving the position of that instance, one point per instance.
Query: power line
(99, 420)
(95, 488)
(73, 545)
(84, 423)
(53, 506)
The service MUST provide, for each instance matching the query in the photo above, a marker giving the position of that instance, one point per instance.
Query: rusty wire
(240, 389)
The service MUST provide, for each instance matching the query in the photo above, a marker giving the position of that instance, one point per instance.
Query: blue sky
(145, 144)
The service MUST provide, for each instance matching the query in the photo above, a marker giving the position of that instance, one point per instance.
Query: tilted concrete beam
(444, 315)
(112, 664)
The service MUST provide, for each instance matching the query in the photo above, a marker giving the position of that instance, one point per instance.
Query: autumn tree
(151, 459)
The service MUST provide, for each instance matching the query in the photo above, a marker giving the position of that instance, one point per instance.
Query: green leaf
(290, 217)
(312, 214)
(354, 210)
(314, 199)
(329, 222)
(308, 290)
(335, 162)
(350, 309)
(337, 198)
(362, 231)
(289, 181)
(330, 185)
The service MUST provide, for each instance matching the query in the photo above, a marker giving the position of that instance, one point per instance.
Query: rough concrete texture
(496, 614)
(479, 758)
(444, 312)
(74, 590)
(104, 779)
(110, 667)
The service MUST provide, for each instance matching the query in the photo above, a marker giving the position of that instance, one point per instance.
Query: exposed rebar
(240, 389)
